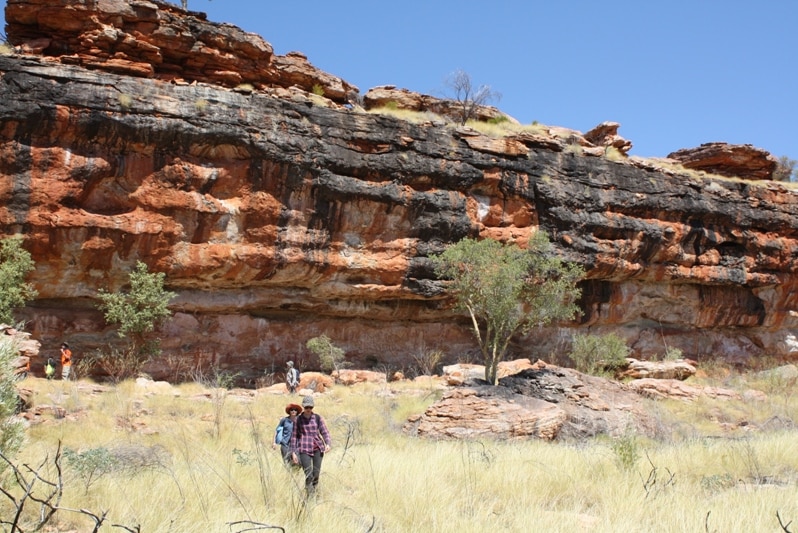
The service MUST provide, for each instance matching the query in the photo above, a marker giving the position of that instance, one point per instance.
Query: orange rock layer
(278, 216)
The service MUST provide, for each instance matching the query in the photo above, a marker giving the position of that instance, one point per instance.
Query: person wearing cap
(310, 441)
(284, 431)
(291, 377)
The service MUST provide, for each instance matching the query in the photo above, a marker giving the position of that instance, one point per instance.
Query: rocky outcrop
(154, 39)
(22, 342)
(675, 389)
(464, 373)
(488, 412)
(278, 215)
(546, 402)
(390, 96)
(351, 377)
(732, 160)
(676, 369)
(606, 134)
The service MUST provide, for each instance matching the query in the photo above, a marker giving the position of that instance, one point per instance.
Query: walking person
(284, 431)
(310, 441)
(291, 377)
(66, 361)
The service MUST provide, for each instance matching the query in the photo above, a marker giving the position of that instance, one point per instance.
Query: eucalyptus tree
(507, 290)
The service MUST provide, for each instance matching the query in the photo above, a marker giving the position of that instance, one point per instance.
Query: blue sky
(674, 73)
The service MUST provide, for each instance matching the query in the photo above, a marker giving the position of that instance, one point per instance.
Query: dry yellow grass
(495, 130)
(218, 467)
(414, 117)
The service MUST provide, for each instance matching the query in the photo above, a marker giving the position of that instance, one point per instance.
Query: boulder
(784, 374)
(310, 382)
(545, 402)
(679, 369)
(461, 373)
(151, 388)
(606, 135)
(28, 348)
(675, 389)
(351, 377)
(475, 413)
(732, 160)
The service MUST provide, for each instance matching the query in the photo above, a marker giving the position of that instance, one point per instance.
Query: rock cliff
(137, 131)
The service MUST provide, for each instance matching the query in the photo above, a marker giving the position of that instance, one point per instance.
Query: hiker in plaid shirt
(309, 443)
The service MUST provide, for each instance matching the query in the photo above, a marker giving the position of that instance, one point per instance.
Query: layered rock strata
(280, 216)
(155, 39)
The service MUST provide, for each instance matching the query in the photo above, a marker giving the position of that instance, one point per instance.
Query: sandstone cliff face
(278, 217)
(155, 39)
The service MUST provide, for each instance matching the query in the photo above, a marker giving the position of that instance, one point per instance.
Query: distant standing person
(291, 377)
(311, 440)
(284, 431)
(66, 361)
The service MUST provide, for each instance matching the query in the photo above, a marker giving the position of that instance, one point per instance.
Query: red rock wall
(277, 217)
(155, 39)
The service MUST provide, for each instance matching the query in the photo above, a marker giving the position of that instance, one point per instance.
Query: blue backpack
(280, 435)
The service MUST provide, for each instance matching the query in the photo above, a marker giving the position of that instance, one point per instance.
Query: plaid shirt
(308, 434)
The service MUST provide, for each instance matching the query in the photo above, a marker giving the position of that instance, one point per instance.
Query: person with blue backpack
(291, 377)
(285, 430)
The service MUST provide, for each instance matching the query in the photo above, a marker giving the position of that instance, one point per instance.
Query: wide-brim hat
(307, 401)
(292, 407)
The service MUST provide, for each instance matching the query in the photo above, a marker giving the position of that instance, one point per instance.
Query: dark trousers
(311, 464)
(286, 451)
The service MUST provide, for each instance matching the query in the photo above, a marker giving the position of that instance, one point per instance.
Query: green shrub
(599, 354)
(90, 465)
(718, 482)
(11, 431)
(627, 451)
(137, 311)
(506, 289)
(672, 354)
(498, 120)
(330, 356)
(15, 264)
(130, 459)
(318, 90)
